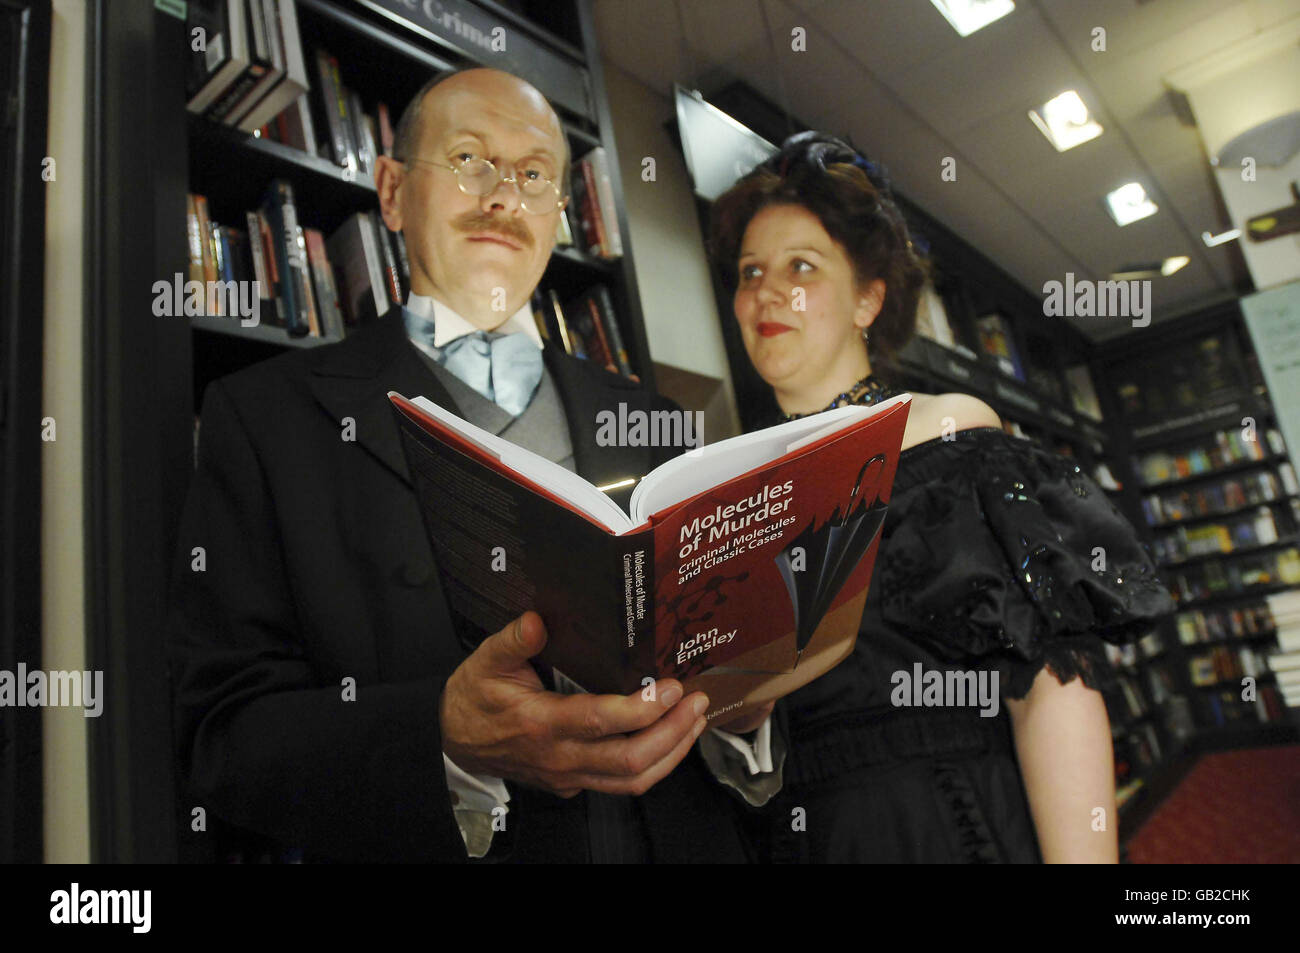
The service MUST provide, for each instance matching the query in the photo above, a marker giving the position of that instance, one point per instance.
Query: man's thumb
(517, 642)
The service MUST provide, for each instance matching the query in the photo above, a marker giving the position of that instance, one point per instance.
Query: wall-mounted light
(1065, 121)
(967, 16)
(1128, 203)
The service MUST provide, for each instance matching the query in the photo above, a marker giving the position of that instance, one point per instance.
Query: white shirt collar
(448, 325)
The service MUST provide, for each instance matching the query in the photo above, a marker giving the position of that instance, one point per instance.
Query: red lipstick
(770, 329)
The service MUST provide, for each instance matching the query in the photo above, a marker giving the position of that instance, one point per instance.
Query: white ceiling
(895, 77)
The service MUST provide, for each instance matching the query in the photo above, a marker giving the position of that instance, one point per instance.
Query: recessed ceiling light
(1065, 121)
(1212, 240)
(1134, 272)
(1128, 203)
(967, 16)
(1170, 265)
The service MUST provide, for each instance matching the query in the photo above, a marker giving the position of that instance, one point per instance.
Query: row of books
(310, 285)
(586, 327)
(1285, 609)
(246, 60)
(1227, 708)
(1225, 448)
(320, 287)
(1131, 654)
(1224, 663)
(1222, 496)
(1212, 625)
(1236, 576)
(1245, 532)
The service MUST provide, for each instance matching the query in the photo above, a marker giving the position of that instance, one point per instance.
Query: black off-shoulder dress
(995, 555)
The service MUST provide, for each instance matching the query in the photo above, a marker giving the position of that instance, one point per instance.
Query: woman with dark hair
(1001, 566)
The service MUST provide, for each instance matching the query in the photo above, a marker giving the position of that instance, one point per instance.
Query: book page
(563, 483)
(693, 473)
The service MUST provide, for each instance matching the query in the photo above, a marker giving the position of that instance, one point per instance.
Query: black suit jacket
(315, 569)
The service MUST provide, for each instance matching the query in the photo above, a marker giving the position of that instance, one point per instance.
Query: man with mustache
(323, 698)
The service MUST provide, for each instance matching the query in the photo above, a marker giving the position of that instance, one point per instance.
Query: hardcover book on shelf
(268, 56)
(1083, 396)
(611, 243)
(358, 270)
(740, 568)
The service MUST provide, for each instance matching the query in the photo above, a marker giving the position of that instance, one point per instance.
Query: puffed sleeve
(1010, 557)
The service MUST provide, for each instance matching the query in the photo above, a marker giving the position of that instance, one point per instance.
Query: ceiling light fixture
(1065, 122)
(1128, 203)
(1175, 263)
(967, 16)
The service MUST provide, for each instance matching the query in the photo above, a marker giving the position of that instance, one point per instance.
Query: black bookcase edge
(22, 799)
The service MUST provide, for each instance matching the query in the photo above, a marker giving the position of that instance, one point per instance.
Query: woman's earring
(864, 336)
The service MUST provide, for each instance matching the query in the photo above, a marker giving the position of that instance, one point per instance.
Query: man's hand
(497, 719)
(747, 723)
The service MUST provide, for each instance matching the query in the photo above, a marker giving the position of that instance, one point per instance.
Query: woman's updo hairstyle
(851, 197)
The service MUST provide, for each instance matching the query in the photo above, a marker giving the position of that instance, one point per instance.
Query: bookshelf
(386, 56)
(1223, 519)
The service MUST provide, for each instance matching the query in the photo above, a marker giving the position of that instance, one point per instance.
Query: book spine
(403, 263)
(385, 129)
(635, 573)
(388, 261)
(602, 351)
(571, 341)
(374, 263)
(615, 335)
(279, 316)
(195, 235)
(592, 224)
(613, 239)
(326, 289)
(329, 107)
(361, 134)
(205, 243)
(345, 123)
(283, 219)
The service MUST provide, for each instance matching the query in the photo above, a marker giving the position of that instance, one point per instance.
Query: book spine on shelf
(615, 335)
(194, 234)
(282, 24)
(592, 225)
(281, 214)
(612, 239)
(388, 261)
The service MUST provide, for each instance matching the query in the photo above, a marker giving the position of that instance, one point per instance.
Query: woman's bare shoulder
(933, 415)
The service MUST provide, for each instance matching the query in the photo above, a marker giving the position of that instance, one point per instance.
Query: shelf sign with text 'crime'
(491, 41)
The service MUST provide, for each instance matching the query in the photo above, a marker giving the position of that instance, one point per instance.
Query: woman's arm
(1063, 741)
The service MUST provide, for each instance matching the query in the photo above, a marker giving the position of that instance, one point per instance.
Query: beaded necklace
(865, 392)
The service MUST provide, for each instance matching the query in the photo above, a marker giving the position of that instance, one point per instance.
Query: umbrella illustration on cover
(831, 553)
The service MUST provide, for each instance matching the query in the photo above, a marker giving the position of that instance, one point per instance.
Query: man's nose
(505, 197)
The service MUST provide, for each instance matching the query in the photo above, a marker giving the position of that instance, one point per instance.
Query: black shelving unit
(386, 57)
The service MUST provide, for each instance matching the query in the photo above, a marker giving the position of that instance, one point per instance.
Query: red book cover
(742, 571)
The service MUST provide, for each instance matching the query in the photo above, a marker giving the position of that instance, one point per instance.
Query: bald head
(507, 93)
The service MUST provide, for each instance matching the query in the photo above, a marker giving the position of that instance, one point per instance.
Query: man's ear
(870, 300)
(389, 175)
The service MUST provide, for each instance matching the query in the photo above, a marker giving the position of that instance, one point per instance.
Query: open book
(742, 568)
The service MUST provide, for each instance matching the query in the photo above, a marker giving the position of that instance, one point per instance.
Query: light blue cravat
(504, 368)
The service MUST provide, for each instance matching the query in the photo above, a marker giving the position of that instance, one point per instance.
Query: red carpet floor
(1234, 807)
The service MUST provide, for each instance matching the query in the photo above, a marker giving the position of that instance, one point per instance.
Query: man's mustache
(482, 222)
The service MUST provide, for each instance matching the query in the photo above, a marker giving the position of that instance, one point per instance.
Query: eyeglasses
(537, 194)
